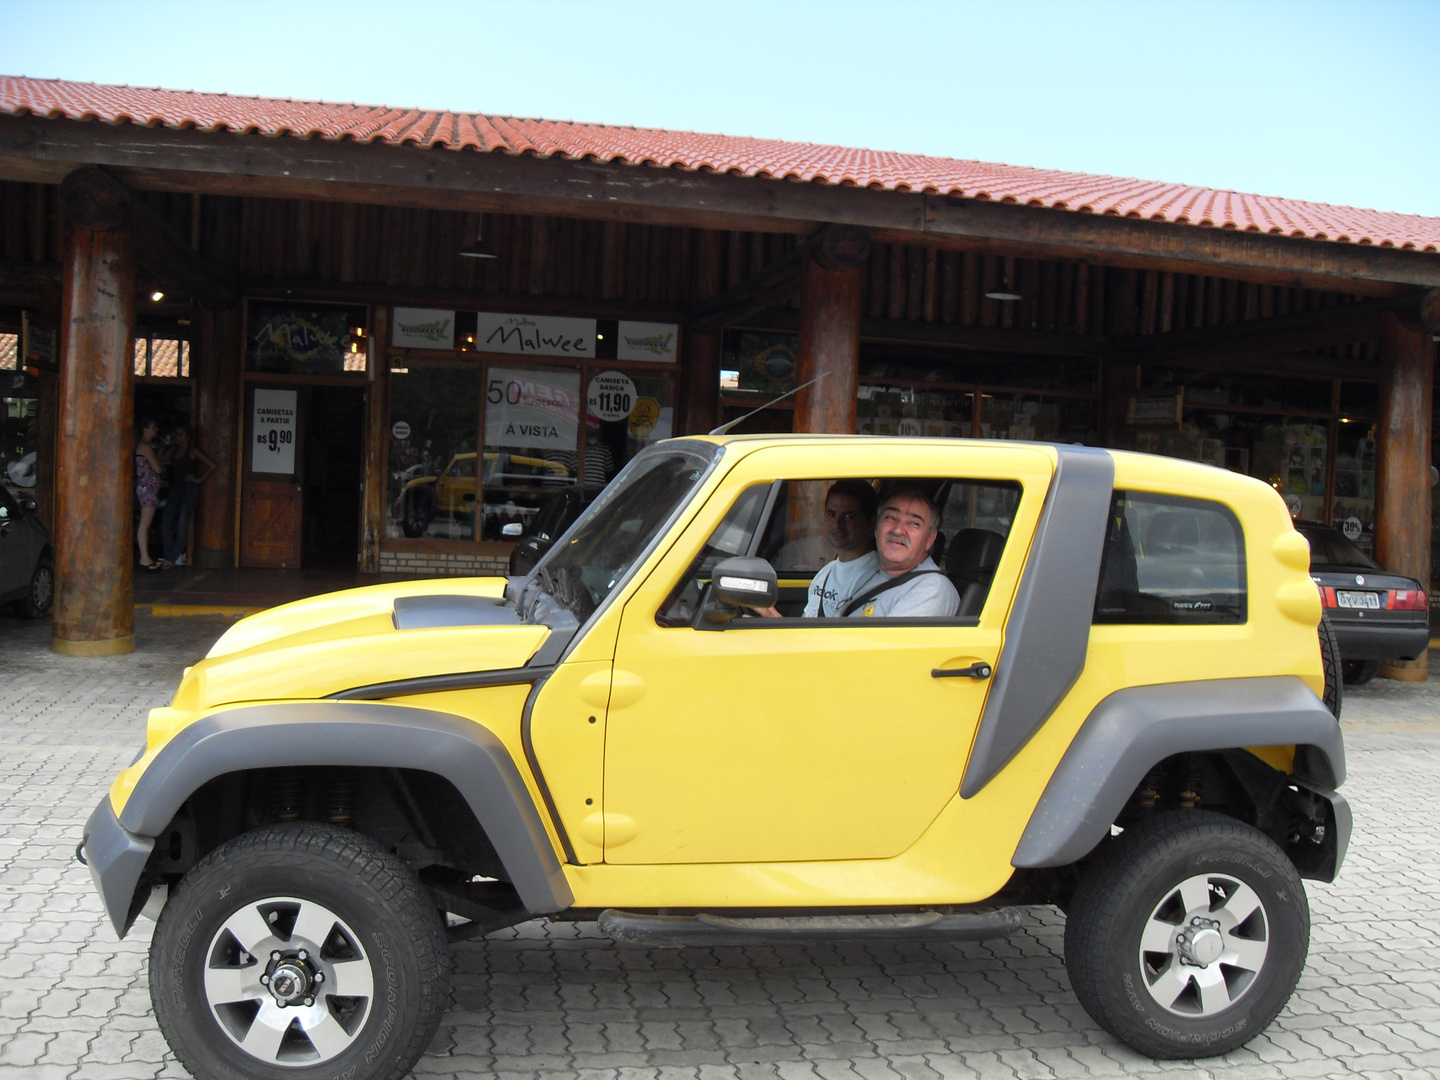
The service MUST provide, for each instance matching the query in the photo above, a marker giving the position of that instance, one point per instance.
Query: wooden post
(1402, 475)
(700, 351)
(377, 434)
(217, 430)
(95, 453)
(830, 337)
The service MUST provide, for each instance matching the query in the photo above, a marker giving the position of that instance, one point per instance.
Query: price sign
(611, 395)
(272, 445)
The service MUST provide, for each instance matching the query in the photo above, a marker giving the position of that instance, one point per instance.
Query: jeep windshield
(619, 527)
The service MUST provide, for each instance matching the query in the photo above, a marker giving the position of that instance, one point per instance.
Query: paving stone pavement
(559, 1001)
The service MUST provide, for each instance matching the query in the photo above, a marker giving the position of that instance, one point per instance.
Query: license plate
(1352, 599)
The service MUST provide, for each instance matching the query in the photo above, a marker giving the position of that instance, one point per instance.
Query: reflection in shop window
(432, 466)
(19, 425)
(532, 418)
(9, 352)
(162, 357)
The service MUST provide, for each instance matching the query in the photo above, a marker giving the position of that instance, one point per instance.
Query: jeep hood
(380, 633)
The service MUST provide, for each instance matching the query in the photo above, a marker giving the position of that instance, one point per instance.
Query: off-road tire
(1359, 672)
(1330, 656)
(1123, 891)
(40, 597)
(370, 893)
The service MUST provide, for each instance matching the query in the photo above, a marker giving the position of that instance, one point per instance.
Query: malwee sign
(534, 335)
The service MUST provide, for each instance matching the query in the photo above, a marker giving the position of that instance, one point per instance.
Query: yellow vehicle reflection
(451, 494)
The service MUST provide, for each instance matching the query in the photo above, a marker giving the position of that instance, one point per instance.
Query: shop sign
(647, 342)
(532, 409)
(611, 396)
(272, 449)
(644, 417)
(1155, 410)
(423, 328)
(309, 340)
(534, 335)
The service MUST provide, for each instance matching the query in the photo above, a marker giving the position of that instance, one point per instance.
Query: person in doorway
(850, 530)
(148, 472)
(189, 468)
(907, 583)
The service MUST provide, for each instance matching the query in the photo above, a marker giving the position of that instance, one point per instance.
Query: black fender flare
(1132, 730)
(341, 733)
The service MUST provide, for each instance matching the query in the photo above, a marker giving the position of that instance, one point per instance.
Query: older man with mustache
(907, 583)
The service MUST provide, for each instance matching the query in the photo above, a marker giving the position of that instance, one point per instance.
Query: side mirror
(744, 581)
(512, 528)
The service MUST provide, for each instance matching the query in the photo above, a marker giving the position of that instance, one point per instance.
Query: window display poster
(423, 328)
(647, 342)
(532, 409)
(272, 448)
(534, 335)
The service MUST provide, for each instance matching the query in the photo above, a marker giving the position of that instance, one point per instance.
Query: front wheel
(300, 951)
(1187, 935)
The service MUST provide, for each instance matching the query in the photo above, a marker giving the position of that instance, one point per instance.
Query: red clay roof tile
(801, 162)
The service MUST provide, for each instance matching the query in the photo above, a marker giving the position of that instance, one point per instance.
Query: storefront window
(1035, 418)
(434, 413)
(19, 429)
(910, 410)
(1354, 509)
(532, 418)
(612, 435)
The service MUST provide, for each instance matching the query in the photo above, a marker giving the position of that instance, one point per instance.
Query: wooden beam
(95, 200)
(341, 292)
(1317, 327)
(836, 247)
(19, 273)
(951, 335)
(227, 163)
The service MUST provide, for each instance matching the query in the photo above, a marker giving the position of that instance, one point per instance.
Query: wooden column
(700, 349)
(95, 453)
(830, 339)
(217, 431)
(1402, 475)
(377, 436)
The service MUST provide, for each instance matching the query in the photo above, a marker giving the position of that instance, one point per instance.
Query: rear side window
(1171, 560)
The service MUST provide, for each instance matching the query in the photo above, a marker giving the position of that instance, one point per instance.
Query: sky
(1321, 100)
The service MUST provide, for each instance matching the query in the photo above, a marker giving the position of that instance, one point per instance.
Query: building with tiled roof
(383, 273)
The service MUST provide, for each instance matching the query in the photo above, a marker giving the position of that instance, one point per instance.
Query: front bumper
(116, 858)
(1379, 641)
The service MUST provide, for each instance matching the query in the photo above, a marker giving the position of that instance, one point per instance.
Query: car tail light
(1407, 600)
(1327, 596)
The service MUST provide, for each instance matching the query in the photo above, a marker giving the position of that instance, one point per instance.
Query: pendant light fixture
(1004, 291)
(479, 249)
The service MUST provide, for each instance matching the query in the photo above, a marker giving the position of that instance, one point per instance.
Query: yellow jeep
(1125, 715)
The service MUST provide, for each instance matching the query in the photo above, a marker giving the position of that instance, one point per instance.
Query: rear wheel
(1359, 672)
(301, 951)
(1330, 657)
(41, 597)
(1187, 935)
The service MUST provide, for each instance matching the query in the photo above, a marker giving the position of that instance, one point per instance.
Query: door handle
(978, 670)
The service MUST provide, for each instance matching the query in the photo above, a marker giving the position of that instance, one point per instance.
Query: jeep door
(772, 740)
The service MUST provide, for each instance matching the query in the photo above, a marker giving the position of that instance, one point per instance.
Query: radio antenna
(723, 428)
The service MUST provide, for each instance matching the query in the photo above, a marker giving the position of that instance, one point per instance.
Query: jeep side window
(731, 537)
(1171, 560)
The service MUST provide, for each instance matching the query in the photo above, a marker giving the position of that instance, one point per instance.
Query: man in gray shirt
(904, 534)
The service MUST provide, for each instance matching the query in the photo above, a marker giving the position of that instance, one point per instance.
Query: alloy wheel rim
(288, 981)
(1204, 945)
(43, 589)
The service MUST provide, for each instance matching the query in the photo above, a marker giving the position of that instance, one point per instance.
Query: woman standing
(189, 467)
(147, 488)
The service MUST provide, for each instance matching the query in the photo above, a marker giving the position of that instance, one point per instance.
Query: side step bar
(705, 929)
